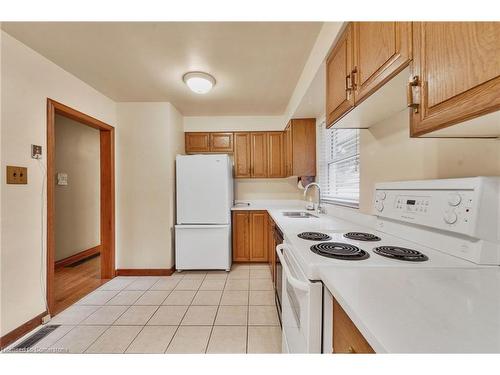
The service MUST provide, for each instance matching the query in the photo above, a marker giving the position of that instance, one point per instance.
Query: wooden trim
(145, 271)
(20, 331)
(107, 204)
(107, 191)
(78, 116)
(81, 255)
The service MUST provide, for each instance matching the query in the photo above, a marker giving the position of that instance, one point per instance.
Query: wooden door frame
(107, 191)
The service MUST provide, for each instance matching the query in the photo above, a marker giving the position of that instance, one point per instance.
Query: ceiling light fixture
(199, 82)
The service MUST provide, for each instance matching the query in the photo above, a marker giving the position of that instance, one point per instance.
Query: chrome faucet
(319, 208)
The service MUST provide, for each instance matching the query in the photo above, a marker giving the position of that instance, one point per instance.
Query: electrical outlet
(36, 151)
(17, 175)
(46, 319)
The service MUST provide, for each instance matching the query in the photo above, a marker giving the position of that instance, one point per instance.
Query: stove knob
(454, 199)
(450, 217)
(379, 206)
(381, 195)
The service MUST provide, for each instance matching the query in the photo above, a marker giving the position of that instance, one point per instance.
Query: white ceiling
(256, 64)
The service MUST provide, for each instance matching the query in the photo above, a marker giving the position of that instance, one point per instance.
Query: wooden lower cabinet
(241, 236)
(258, 236)
(346, 336)
(250, 236)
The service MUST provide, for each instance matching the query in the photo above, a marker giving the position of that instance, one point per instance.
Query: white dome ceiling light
(199, 82)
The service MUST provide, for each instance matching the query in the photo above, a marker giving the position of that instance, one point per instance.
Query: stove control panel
(450, 210)
(467, 206)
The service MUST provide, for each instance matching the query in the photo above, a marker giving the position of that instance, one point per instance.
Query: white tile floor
(188, 312)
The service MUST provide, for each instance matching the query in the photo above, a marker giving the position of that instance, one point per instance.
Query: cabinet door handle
(413, 82)
(353, 78)
(348, 86)
(351, 350)
(348, 83)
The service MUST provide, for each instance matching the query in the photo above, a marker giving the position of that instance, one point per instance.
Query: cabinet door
(258, 154)
(304, 147)
(258, 236)
(381, 50)
(242, 155)
(221, 142)
(276, 156)
(458, 70)
(339, 95)
(197, 142)
(241, 236)
(346, 336)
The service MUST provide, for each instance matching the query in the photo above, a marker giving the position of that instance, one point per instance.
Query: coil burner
(401, 253)
(360, 236)
(338, 250)
(314, 236)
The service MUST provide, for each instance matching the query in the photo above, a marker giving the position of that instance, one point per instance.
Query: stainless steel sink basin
(299, 214)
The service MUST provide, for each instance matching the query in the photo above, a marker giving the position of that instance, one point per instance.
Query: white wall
(387, 153)
(327, 36)
(150, 135)
(27, 80)
(233, 123)
(77, 216)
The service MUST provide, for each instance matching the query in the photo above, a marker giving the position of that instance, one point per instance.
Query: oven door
(278, 239)
(301, 304)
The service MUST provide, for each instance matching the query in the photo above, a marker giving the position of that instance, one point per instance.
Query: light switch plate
(17, 175)
(62, 179)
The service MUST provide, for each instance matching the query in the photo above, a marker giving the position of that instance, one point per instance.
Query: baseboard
(78, 257)
(145, 271)
(20, 331)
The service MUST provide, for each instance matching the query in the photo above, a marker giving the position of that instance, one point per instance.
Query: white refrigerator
(204, 199)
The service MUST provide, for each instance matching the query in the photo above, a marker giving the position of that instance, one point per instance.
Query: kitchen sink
(299, 215)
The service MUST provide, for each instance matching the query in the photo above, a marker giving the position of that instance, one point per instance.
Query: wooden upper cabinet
(288, 149)
(276, 154)
(242, 161)
(258, 236)
(346, 336)
(241, 236)
(197, 142)
(381, 50)
(301, 147)
(339, 65)
(457, 65)
(221, 142)
(258, 154)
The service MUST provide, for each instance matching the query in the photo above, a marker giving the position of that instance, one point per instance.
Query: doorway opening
(80, 205)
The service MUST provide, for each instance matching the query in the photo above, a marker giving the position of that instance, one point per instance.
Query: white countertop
(400, 307)
(421, 310)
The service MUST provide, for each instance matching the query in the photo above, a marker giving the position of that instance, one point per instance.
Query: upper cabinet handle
(414, 82)
(348, 86)
(353, 78)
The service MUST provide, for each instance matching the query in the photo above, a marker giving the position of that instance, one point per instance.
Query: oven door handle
(296, 283)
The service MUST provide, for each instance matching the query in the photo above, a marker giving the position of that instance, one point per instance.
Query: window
(339, 165)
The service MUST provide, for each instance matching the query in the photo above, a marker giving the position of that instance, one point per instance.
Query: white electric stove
(451, 223)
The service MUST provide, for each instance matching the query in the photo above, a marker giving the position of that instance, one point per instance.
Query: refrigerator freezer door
(204, 189)
(203, 247)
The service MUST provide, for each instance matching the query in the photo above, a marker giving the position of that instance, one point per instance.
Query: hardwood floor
(74, 282)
